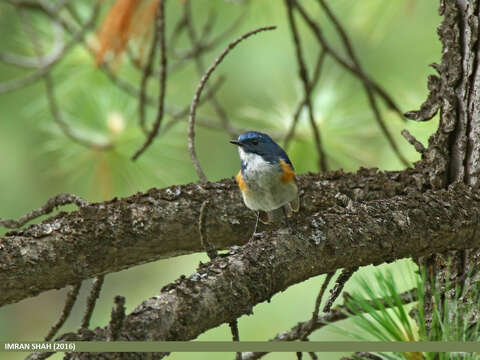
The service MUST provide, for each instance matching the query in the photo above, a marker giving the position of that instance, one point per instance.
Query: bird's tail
(277, 215)
(295, 204)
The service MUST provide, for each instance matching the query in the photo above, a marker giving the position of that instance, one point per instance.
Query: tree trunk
(453, 155)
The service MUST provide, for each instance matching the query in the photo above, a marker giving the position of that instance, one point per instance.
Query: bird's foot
(256, 235)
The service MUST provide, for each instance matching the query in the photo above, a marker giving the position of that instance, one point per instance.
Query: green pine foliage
(394, 320)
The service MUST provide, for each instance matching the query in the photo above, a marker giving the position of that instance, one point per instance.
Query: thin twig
(383, 127)
(368, 89)
(147, 72)
(212, 254)
(39, 356)
(316, 76)
(318, 301)
(46, 67)
(203, 45)
(313, 356)
(52, 102)
(45, 355)
(160, 21)
(433, 102)
(116, 318)
(124, 85)
(235, 336)
(37, 62)
(234, 328)
(129, 88)
(303, 73)
(67, 308)
(39, 4)
(413, 141)
(354, 70)
(338, 313)
(209, 23)
(177, 31)
(50, 205)
(44, 6)
(171, 110)
(200, 47)
(63, 125)
(202, 229)
(363, 355)
(366, 84)
(181, 114)
(91, 300)
(316, 309)
(198, 92)
(217, 107)
(337, 289)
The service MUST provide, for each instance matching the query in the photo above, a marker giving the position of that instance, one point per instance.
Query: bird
(266, 178)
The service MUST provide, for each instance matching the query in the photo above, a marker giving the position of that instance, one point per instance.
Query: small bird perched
(267, 177)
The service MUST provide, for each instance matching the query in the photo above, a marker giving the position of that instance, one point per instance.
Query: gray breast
(265, 191)
(259, 173)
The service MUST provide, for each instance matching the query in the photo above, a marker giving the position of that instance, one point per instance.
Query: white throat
(254, 162)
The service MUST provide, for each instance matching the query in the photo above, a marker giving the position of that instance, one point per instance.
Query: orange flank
(288, 173)
(241, 183)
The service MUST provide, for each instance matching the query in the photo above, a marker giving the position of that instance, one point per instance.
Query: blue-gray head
(254, 142)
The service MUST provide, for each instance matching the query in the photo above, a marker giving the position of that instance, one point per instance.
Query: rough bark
(346, 220)
(114, 235)
(355, 234)
(107, 237)
(461, 267)
(453, 154)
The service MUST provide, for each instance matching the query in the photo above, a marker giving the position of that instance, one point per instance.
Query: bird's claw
(257, 235)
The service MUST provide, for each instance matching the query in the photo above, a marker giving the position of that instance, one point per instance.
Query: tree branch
(92, 300)
(296, 116)
(198, 93)
(345, 275)
(77, 36)
(386, 219)
(47, 208)
(353, 69)
(338, 313)
(367, 84)
(147, 72)
(160, 34)
(371, 232)
(307, 88)
(67, 308)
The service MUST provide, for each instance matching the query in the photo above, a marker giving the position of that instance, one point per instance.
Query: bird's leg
(284, 210)
(256, 224)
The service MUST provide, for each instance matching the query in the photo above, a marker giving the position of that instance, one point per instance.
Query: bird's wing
(283, 156)
(275, 216)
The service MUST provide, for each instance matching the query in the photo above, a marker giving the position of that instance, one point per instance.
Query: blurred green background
(395, 41)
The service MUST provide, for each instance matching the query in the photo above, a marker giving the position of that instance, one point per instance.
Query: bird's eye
(255, 142)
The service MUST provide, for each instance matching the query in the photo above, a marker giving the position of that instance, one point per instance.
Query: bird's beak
(238, 143)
